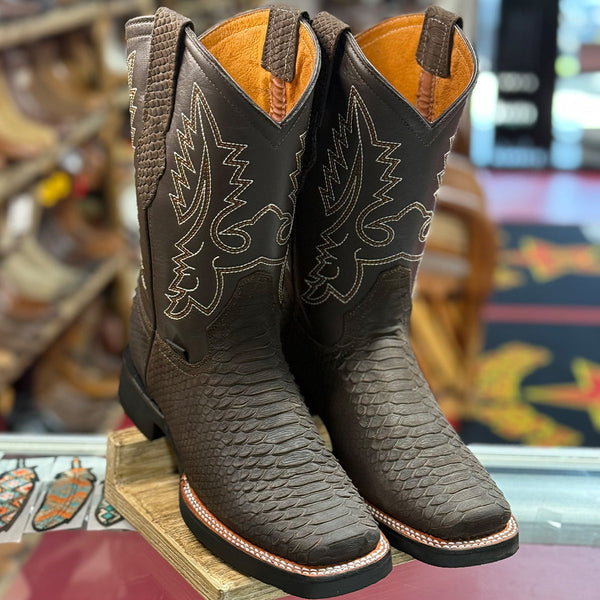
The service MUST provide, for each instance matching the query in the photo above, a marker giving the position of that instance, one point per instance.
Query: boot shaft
(394, 99)
(219, 125)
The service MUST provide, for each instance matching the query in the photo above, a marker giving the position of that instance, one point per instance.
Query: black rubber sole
(292, 583)
(150, 421)
(440, 557)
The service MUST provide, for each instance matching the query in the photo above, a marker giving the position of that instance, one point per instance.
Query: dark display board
(537, 104)
(525, 58)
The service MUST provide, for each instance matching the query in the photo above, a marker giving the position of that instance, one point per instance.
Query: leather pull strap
(329, 31)
(165, 49)
(434, 52)
(279, 55)
(281, 42)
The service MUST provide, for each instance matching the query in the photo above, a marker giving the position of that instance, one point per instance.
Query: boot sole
(449, 553)
(298, 580)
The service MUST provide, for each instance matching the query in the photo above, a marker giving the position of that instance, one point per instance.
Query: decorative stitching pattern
(508, 532)
(440, 175)
(201, 135)
(344, 199)
(204, 515)
(132, 93)
(293, 195)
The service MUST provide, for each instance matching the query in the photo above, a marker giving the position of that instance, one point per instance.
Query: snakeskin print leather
(279, 51)
(386, 427)
(362, 218)
(140, 334)
(435, 44)
(218, 236)
(151, 153)
(248, 444)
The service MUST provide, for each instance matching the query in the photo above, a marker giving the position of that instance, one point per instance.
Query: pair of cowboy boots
(285, 175)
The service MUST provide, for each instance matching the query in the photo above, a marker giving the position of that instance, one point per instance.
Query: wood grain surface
(142, 482)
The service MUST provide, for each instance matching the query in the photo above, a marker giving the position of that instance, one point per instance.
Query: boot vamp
(253, 456)
(405, 458)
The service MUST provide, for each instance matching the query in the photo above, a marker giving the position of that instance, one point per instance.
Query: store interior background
(506, 319)
(507, 306)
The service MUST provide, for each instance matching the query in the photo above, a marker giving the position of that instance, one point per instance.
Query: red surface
(84, 565)
(564, 198)
(125, 423)
(539, 314)
(77, 565)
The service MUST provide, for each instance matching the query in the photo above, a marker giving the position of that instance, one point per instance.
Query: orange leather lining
(391, 48)
(238, 45)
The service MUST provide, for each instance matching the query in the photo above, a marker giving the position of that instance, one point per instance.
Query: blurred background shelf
(17, 177)
(59, 20)
(67, 311)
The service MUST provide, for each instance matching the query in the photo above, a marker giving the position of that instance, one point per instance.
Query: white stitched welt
(210, 521)
(509, 531)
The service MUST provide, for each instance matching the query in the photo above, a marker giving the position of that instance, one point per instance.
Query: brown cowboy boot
(219, 126)
(395, 94)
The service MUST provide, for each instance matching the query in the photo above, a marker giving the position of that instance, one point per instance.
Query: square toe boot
(219, 124)
(392, 98)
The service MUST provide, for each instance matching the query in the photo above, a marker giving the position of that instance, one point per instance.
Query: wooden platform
(143, 484)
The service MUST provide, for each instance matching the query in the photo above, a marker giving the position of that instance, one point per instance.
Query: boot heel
(144, 413)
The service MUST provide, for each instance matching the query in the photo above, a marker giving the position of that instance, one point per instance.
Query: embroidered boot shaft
(219, 124)
(390, 107)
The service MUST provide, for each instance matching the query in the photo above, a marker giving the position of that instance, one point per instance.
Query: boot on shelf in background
(219, 125)
(18, 9)
(62, 83)
(38, 275)
(385, 127)
(21, 138)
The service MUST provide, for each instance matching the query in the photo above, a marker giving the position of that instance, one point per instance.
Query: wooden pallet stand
(143, 484)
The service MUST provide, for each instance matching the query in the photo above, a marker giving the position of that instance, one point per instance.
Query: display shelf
(15, 178)
(52, 444)
(59, 20)
(67, 310)
(142, 483)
